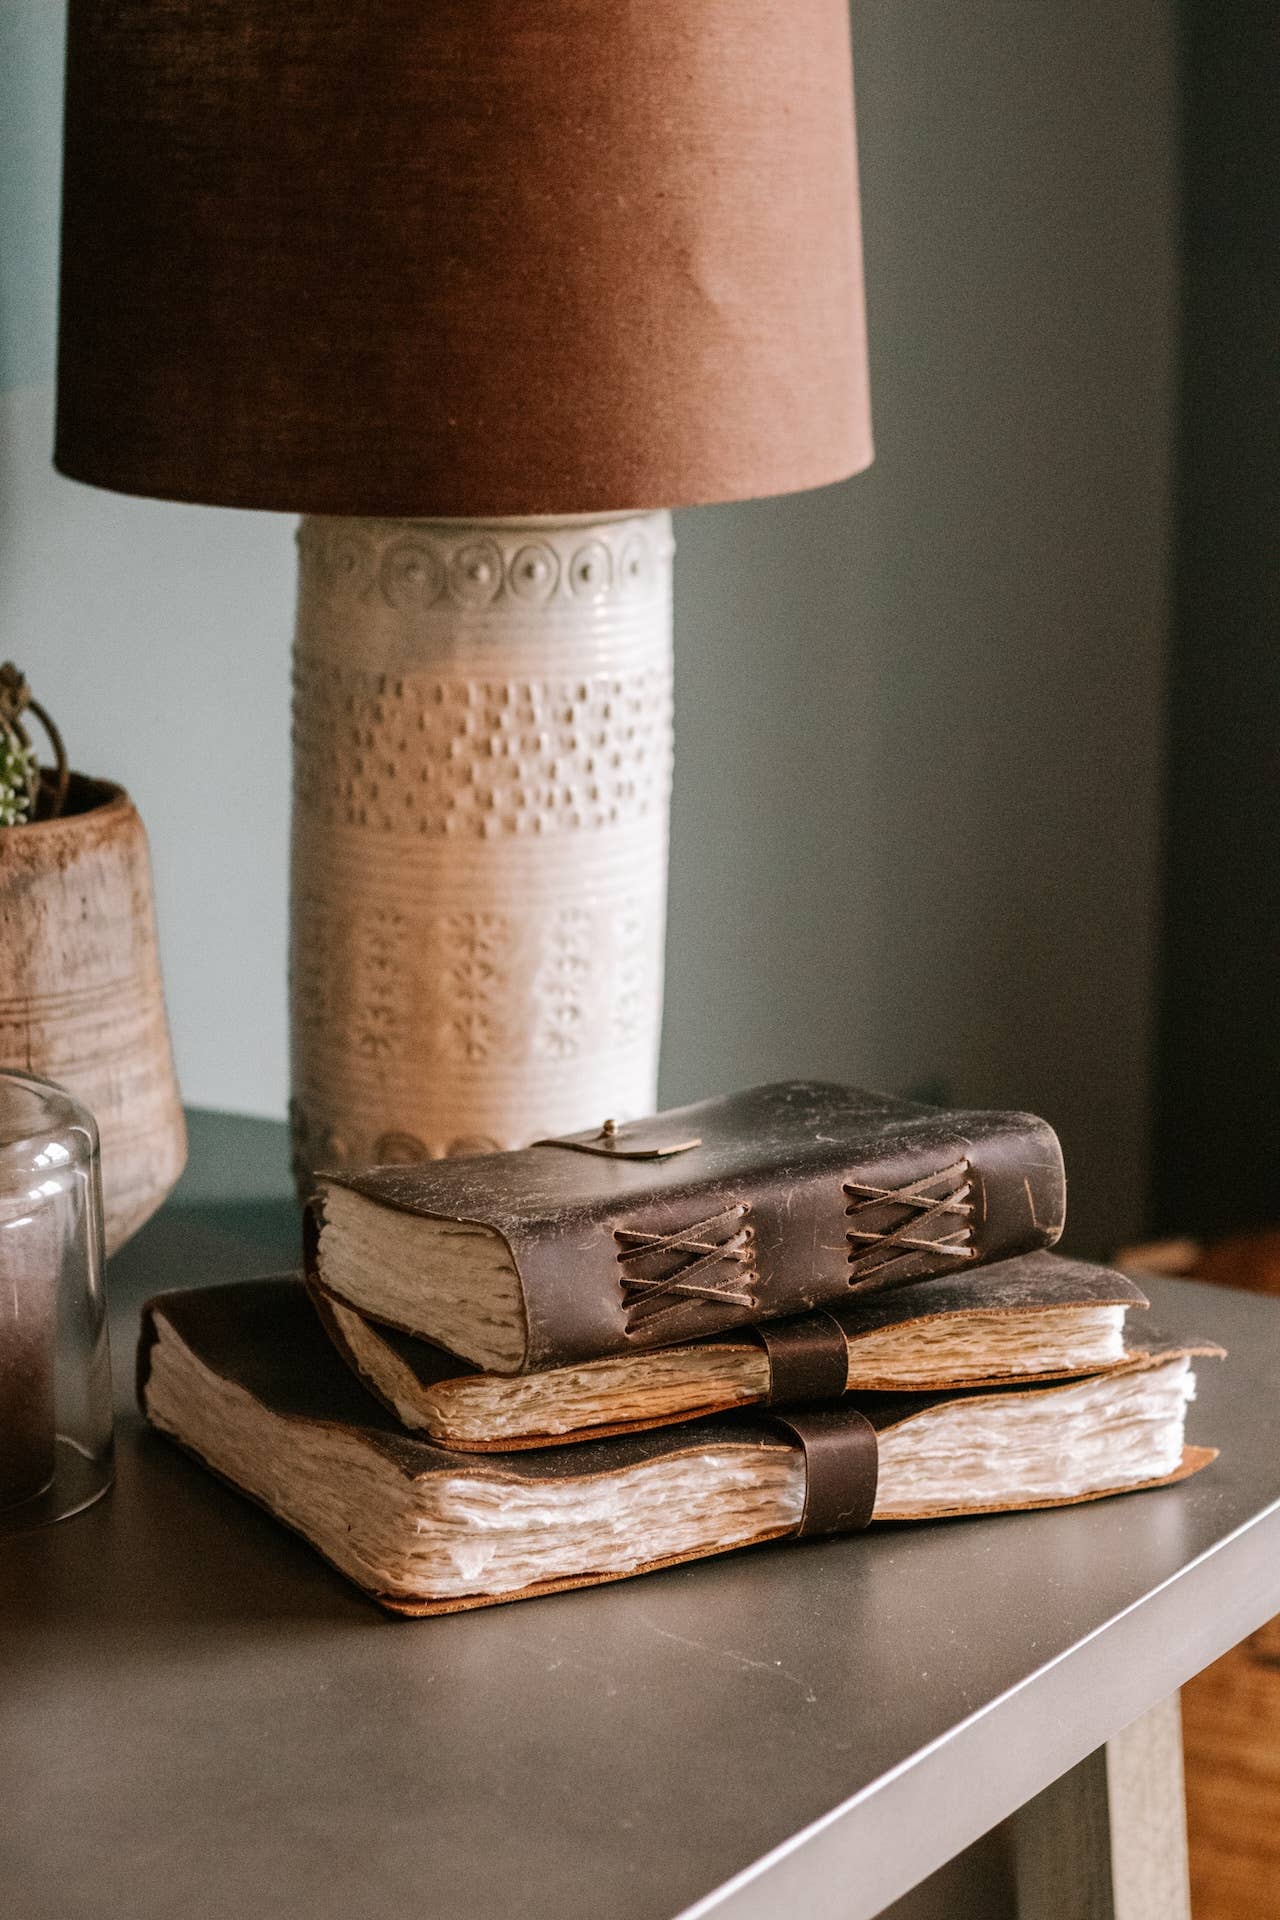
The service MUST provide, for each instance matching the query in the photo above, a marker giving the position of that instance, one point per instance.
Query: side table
(198, 1718)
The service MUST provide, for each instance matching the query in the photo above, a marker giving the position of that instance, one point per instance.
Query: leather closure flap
(841, 1458)
(651, 1139)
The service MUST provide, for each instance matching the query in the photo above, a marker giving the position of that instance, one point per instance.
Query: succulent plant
(17, 781)
(24, 791)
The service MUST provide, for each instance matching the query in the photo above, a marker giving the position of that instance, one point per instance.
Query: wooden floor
(1231, 1712)
(1231, 1733)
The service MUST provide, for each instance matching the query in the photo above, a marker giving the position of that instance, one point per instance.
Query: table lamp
(480, 290)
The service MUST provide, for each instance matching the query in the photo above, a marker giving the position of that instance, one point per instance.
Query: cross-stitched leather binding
(734, 1211)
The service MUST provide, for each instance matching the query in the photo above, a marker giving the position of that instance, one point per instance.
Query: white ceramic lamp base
(482, 764)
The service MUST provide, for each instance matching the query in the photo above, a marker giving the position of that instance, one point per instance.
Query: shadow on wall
(918, 716)
(1219, 1095)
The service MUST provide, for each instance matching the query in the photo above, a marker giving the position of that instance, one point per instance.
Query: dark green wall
(1218, 1135)
(919, 718)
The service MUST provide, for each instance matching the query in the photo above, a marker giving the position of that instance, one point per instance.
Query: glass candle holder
(55, 1369)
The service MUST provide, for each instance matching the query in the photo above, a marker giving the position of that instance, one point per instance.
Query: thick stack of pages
(790, 1312)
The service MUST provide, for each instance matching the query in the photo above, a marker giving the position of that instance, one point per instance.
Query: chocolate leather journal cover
(1035, 1317)
(726, 1213)
(244, 1377)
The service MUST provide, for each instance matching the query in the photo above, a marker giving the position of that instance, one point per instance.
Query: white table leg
(1108, 1841)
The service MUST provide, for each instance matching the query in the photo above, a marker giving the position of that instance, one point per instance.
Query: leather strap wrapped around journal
(841, 1467)
(808, 1359)
(761, 1204)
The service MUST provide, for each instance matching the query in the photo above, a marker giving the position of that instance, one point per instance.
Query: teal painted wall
(919, 725)
(31, 44)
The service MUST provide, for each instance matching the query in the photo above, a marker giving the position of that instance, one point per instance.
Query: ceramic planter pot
(81, 1000)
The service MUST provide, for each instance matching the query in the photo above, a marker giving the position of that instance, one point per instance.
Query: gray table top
(198, 1720)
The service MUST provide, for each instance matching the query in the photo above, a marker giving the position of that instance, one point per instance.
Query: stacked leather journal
(724, 1214)
(793, 1311)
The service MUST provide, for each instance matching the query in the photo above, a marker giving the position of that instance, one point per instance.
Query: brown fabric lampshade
(460, 257)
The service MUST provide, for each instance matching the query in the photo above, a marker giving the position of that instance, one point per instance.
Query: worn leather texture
(797, 1196)
(263, 1337)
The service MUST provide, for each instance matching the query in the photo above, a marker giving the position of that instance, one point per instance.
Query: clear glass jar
(55, 1368)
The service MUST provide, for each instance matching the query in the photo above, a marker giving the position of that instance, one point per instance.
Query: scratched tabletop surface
(200, 1721)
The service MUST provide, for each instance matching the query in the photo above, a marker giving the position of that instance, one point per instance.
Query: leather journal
(244, 1377)
(1037, 1316)
(730, 1212)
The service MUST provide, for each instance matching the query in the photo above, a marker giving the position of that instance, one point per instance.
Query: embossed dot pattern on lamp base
(482, 763)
